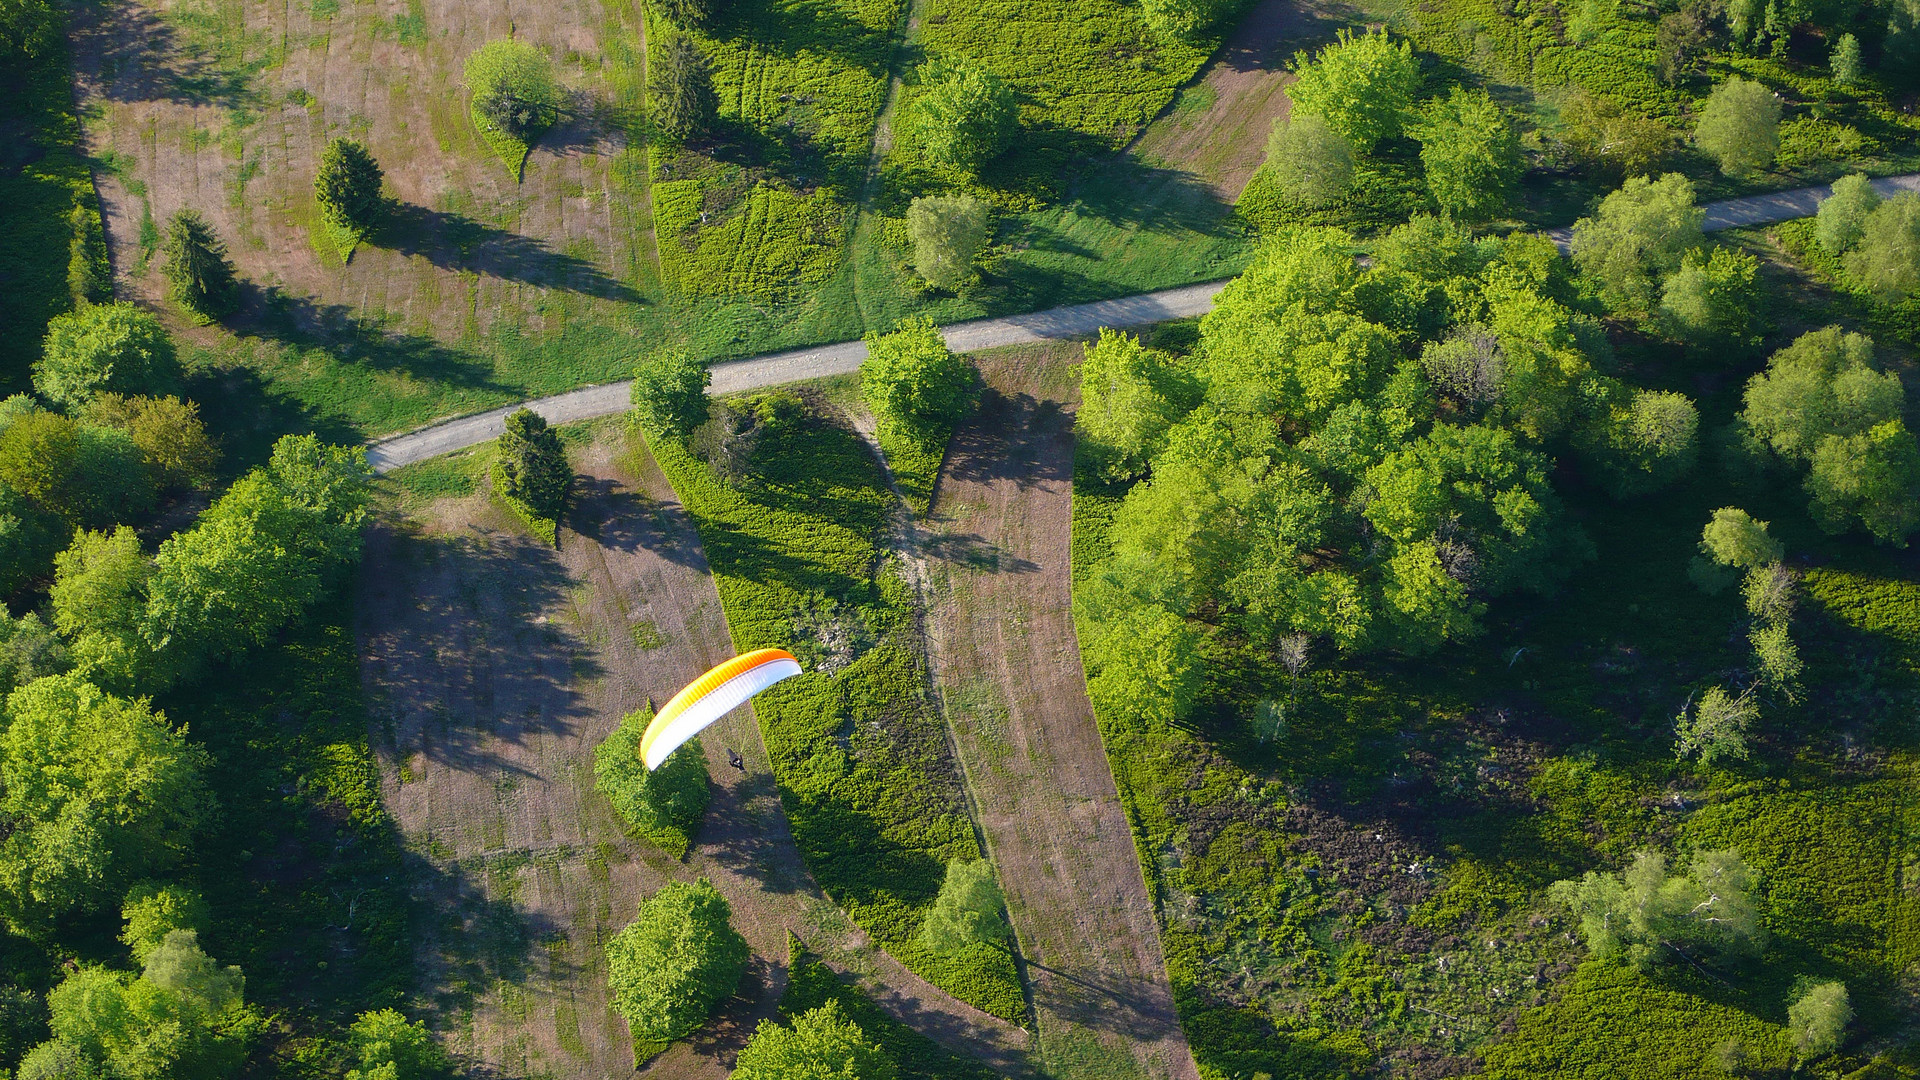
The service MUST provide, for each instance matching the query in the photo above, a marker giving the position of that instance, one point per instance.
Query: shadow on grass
(457, 242)
(624, 520)
(469, 937)
(128, 53)
(304, 323)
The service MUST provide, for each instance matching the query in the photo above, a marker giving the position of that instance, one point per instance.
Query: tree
(533, 465)
(347, 187)
(199, 274)
(1842, 218)
(1846, 63)
(1130, 396)
(1312, 163)
(30, 30)
(1468, 366)
(1470, 153)
(822, 1044)
(388, 1046)
(1678, 40)
(1641, 234)
(23, 1023)
(912, 380)
(1740, 127)
(1649, 914)
(963, 117)
(99, 791)
(1148, 664)
(152, 911)
(684, 102)
(1613, 140)
(1819, 1017)
(185, 1016)
(82, 475)
(513, 88)
(1639, 441)
(670, 394)
(678, 959)
(28, 651)
(1733, 538)
(1363, 86)
(89, 274)
(968, 911)
(1182, 18)
(1824, 383)
(948, 232)
(172, 442)
(1713, 300)
(114, 348)
(1715, 727)
(1869, 480)
(670, 797)
(1887, 260)
(690, 13)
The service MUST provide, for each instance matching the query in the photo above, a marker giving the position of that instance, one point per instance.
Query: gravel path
(1062, 322)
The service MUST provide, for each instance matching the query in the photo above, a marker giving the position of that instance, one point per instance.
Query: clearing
(997, 550)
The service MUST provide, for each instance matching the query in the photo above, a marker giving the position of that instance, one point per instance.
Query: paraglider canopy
(710, 697)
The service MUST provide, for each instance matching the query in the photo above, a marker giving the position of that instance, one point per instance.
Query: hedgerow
(859, 751)
(811, 984)
(1882, 319)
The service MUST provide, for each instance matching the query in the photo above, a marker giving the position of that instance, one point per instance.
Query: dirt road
(1001, 627)
(495, 666)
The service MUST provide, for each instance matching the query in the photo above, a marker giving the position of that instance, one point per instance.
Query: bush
(1183, 18)
(1613, 140)
(116, 348)
(1647, 913)
(1130, 396)
(681, 90)
(665, 804)
(1715, 728)
(199, 275)
(152, 911)
(1310, 161)
(1471, 154)
(1640, 235)
(173, 443)
(670, 394)
(1740, 127)
(912, 380)
(89, 273)
(678, 959)
(386, 1046)
(533, 465)
(964, 116)
(948, 232)
(1363, 86)
(1846, 63)
(821, 1043)
(1819, 1018)
(969, 911)
(514, 91)
(1713, 300)
(1841, 221)
(1887, 260)
(347, 187)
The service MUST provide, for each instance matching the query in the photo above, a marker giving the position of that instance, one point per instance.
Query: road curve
(794, 365)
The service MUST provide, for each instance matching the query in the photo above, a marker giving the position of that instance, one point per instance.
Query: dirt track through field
(495, 666)
(1001, 626)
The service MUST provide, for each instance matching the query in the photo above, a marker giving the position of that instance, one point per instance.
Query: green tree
(104, 348)
(1887, 260)
(199, 275)
(1841, 221)
(1733, 538)
(670, 394)
(681, 90)
(1740, 127)
(1612, 140)
(185, 1016)
(948, 233)
(99, 791)
(30, 30)
(1868, 480)
(1183, 18)
(963, 117)
(29, 650)
(1312, 163)
(822, 1044)
(969, 910)
(89, 274)
(513, 88)
(1640, 235)
(912, 380)
(1824, 383)
(172, 442)
(1639, 441)
(23, 1023)
(690, 13)
(1715, 727)
(1678, 41)
(1363, 86)
(1846, 63)
(678, 959)
(1819, 1017)
(347, 187)
(533, 465)
(152, 911)
(1130, 396)
(1470, 153)
(85, 476)
(1649, 914)
(1148, 666)
(387, 1046)
(674, 796)
(1713, 300)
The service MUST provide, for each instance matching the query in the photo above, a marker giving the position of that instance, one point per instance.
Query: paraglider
(710, 697)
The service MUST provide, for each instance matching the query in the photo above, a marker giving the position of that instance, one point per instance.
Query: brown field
(996, 550)
(495, 666)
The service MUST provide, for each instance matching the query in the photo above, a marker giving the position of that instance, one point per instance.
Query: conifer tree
(199, 274)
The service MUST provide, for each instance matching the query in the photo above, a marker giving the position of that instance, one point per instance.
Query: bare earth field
(494, 667)
(1001, 627)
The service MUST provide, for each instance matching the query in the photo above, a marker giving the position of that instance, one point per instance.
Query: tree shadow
(252, 414)
(621, 519)
(304, 323)
(1004, 441)
(786, 30)
(456, 242)
(745, 831)
(975, 552)
(474, 941)
(126, 53)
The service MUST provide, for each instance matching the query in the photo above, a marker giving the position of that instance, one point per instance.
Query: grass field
(859, 749)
